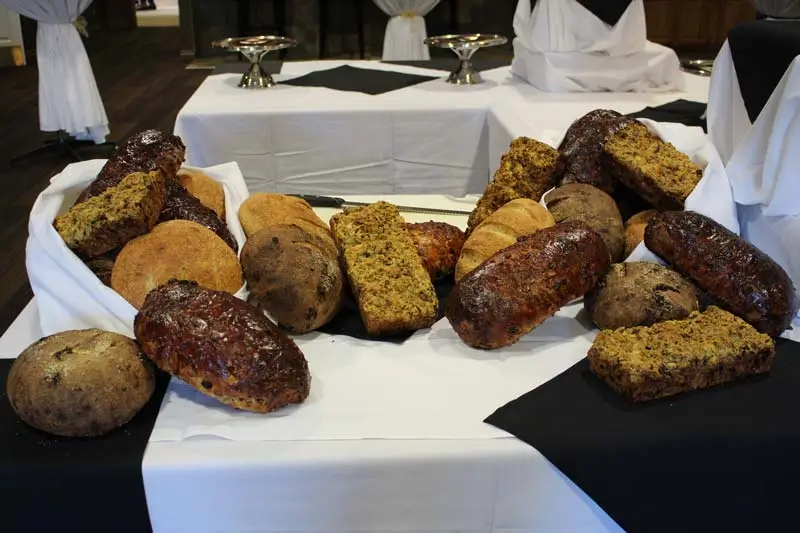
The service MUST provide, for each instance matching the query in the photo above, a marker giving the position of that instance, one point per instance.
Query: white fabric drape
(68, 95)
(406, 31)
(778, 8)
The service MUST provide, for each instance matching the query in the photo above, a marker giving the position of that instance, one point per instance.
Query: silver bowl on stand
(465, 47)
(254, 49)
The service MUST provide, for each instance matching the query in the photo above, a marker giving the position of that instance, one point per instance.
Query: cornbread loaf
(653, 168)
(222, 346)
(262, 210)
(519, 287)
(148, 151)
(500, 230)
(114, 217)
(81, 383)
(294, 275)
(180, 205)
(393, 290)
(203, 187)
(595, 208)
(738, 276)
(528, 170)
(634, 229)
(701, 351)
(438, 245)
(583, 145)
(179, 249)
(639, 294)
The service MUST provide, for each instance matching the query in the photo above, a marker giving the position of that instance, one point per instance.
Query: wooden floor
(143, 82)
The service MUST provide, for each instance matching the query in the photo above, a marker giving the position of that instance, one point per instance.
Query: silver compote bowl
(254, 49)
(465, 47)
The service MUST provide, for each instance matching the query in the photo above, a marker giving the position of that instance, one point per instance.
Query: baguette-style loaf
(502, 229)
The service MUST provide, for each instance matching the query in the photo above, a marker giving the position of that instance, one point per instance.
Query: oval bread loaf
(634, 229)
(262, 210)
(81, 383)
(203, 187)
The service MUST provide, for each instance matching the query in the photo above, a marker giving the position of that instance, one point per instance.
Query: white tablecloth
(431, 138)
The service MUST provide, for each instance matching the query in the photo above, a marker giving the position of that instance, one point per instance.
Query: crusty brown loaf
(639, 294)
(500, 230)
(262, 210)
(438, 245)
(113, 218)
(222, 346)
(653, 168)
(102, 265)
(294, 275)
(577, 201)
(528, 170)
(521, 286)
(703, 350)
(634, 229)
(393, 290)
(177, 249)
(203, 187)
(80, 383)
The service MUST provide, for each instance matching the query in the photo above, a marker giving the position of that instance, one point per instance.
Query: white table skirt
(431, 138)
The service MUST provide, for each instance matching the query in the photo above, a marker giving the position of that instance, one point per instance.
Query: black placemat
(240, 67)
(74, 485)
(448, 65)
(609, 11)
(369, 81)
(762, 50)
(680, 111)
(348, 322)
(725, 459)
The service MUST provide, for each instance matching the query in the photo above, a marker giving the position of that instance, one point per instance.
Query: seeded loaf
(115, 216)
(393, 290)
(704, 350)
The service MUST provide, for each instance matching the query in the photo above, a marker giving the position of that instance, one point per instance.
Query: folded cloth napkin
(362, 80)
(721, 459)
(680, 111)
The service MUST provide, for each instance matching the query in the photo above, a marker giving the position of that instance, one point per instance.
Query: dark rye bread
(181, 205)
(704, 350)
(651, 167)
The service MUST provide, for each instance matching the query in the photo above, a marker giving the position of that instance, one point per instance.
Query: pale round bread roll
(634, 229)
(203, 187)
(178, 249)
(263, 210)
(81, 383)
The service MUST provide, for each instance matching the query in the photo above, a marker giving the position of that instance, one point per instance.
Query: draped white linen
(406, 31)
(778, 8)
(68, 95)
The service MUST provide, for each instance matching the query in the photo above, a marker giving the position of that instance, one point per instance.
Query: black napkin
(362, 80)
(57, 484)
(348, 322)
(762, 51)
(680, 111)
(449, 64)
(609, 11)
(240, 67)
(722, 459)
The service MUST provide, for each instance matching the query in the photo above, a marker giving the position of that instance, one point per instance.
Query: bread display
(528, 170)
(704, 350)
(521, 286)
(222, 346)
(593, 207)
(210, 193)
(178, 249)
(500, 230)
(148, 151)
(651, 167)
(393, 290)
(639, 294)
(438, 245)
(110, 220)
(294, 275)
(81, 383)
(740, 277)
(634, 229)
(262, 210)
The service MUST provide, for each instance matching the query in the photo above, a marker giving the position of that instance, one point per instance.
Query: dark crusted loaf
(438, 245)
(703, 350)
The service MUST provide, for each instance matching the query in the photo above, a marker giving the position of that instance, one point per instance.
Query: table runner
(363, 80)
(681, 111)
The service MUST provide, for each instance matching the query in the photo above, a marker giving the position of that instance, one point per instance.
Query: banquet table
(429, 138)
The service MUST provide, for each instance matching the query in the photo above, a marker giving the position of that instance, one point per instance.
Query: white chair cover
(406, 31)
(68, 95)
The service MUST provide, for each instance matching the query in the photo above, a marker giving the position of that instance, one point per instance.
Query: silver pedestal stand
(254, 49)
(465, 47)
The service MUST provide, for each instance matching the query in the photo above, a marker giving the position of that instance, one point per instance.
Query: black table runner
(54, 484)
(681, 111)
(762, 50)
(723, 459)
(363, 80)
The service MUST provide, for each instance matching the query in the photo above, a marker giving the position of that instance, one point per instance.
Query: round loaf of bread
(203, 187)
(262, 210)
(634, 229)
(81, 383)
(640, 294)
(293, 274)
(178, 249)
